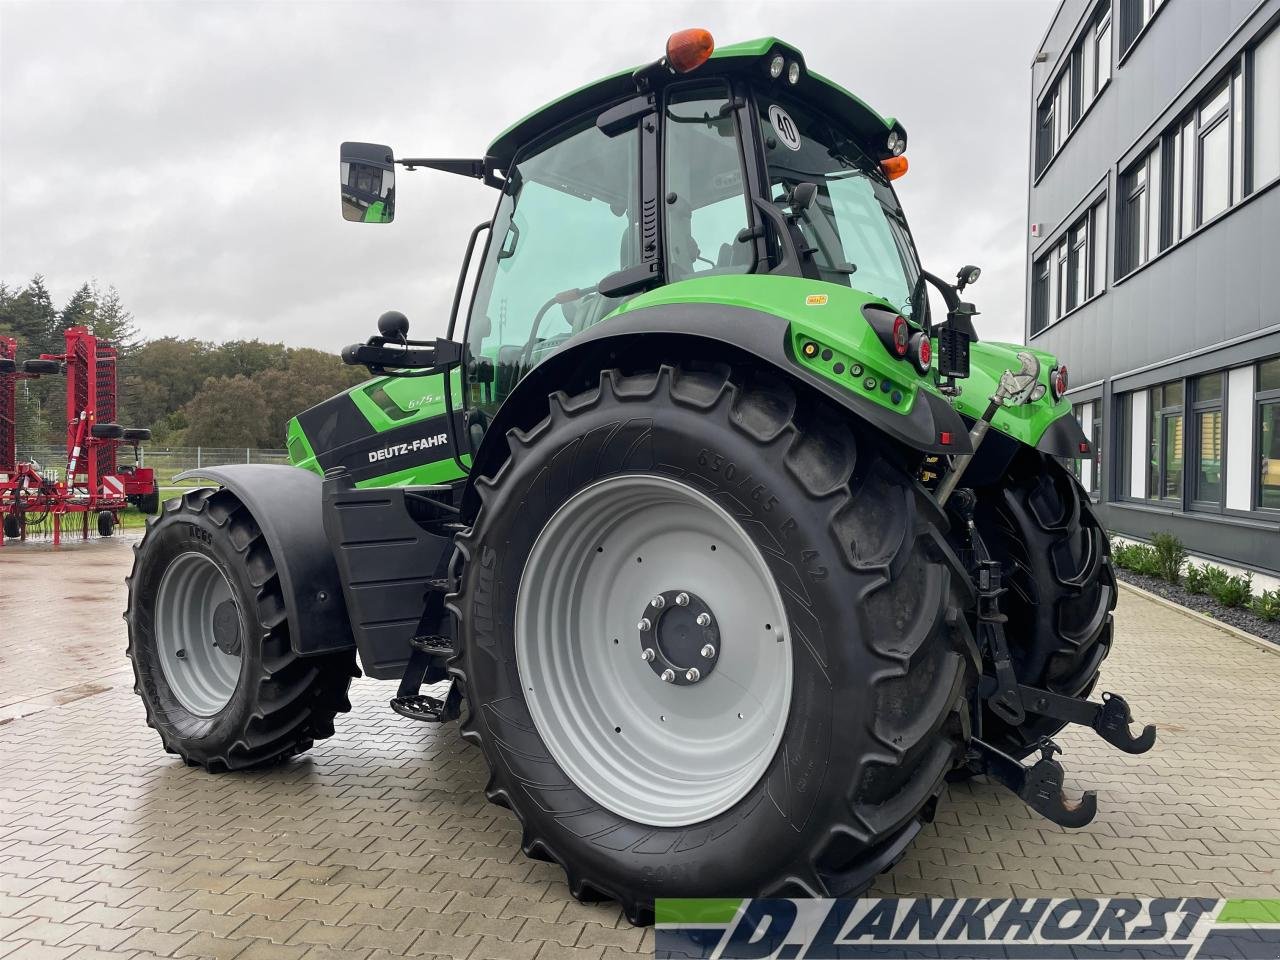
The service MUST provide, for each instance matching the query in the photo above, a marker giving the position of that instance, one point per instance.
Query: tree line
(189, 392)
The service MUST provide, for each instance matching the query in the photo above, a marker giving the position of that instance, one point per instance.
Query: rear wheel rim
(657, 752)
(201, 674)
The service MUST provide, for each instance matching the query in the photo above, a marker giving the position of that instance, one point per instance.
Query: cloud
(186, 152)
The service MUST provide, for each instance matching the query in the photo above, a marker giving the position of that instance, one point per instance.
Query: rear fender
(287, 504)
(706, 331)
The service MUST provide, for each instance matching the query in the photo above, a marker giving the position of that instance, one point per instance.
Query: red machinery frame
(92, 481)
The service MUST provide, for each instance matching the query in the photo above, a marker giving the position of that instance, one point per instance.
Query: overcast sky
(186, 152)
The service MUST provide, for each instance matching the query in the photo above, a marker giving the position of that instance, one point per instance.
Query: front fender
(286, 503)
(670, 332)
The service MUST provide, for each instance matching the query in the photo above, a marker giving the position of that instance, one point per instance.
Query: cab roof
(745, 59)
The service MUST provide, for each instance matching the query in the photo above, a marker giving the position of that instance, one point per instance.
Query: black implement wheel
(8, 365)
(147, 503)
(713, 642)
(106, 431)
(106, 523)
(135, 435)
(1062, 588)
(41, 366)
(209, 641)
(12, 526)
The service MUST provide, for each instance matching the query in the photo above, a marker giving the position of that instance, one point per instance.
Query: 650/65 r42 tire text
(714, 642)
(209, 641)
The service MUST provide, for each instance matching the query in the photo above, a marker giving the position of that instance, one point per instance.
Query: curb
(1236, 632)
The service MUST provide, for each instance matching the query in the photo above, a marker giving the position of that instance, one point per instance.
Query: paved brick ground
(378, 844)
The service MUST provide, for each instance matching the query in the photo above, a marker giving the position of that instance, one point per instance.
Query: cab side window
(706, 204)
(566, 221)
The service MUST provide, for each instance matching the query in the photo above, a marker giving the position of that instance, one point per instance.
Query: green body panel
(388, 403)
(1027, 423)
(830, 315)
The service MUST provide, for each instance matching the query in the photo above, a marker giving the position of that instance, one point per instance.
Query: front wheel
(209, 642)
(1040, 524)
(713, 640)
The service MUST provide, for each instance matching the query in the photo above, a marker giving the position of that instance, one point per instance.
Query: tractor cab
(704, 168)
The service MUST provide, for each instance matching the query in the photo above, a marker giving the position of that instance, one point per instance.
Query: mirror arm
(465, 168)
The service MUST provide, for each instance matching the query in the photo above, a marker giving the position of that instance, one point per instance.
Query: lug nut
(708, 652)
(648, 655)
(644, 624)
(693, 675)
(668, 676)
(682, 599)
(704, 619)
(658, 602)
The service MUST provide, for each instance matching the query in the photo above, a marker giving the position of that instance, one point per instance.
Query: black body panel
(385, 561)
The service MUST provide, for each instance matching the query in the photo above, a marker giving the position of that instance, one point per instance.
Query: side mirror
(394, 325)
(967, 275)
(368, 178)
(803, 195)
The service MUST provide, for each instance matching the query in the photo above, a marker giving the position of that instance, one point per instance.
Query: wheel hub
(679, 637)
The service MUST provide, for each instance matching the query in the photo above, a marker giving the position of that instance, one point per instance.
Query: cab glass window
(567, 219)
(706, 204)
(855, 226)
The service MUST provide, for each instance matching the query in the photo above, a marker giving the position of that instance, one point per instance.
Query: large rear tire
(738, 493)
(1062, 588)
(209, 642)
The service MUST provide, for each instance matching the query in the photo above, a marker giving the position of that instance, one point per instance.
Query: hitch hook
(1038, 786)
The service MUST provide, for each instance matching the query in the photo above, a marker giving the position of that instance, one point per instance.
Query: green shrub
(1132, 556)
(1170, 554)
(1232, 591)
(1196, 579)
(1267, 605)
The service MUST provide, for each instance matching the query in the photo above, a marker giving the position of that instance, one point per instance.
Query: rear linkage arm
(1039, 786)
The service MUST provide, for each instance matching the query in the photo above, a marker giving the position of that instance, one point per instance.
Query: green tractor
(730, 553)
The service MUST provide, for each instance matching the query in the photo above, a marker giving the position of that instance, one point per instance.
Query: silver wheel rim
(201, 675)
(655, 752)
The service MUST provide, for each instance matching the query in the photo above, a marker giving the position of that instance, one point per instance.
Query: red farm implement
(91, 481)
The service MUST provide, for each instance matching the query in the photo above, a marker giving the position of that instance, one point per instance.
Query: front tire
(880, 656)
(209, 642)
(1062, 589)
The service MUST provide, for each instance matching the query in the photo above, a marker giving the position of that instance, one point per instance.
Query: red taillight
(945, 438)
(901, 334)
(1058, 380)
(921, 352)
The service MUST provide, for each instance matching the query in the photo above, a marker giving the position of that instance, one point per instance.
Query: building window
(1096, 441)
(1134, 15)
(1073, 271)
(1268, 403)
(1264, 111)
(1165, 447)
(1139, 213)
(1206, 482)
(1087, 70)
